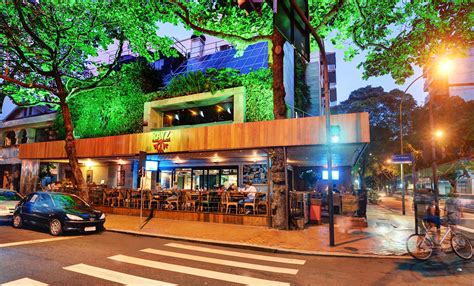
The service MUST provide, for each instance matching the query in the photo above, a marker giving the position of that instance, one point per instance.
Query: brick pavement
(385, 234)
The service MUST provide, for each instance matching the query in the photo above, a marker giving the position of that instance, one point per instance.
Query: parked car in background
(8, 201)
(58, 212)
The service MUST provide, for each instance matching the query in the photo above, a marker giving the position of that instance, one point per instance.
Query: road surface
(30, 257)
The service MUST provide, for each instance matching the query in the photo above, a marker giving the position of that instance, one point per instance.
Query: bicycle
(420, 246)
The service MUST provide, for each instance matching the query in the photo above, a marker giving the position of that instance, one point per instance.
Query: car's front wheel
(55, 227)
(17, 221)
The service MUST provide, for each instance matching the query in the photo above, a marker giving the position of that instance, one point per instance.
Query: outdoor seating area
(225, 202)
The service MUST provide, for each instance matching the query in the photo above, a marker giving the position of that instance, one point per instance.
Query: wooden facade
(251, 220)
(275, 133)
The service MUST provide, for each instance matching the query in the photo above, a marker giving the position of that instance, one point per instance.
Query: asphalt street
(31, 257)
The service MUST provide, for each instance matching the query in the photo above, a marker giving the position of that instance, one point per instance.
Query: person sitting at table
(232, 188)
(251, 190)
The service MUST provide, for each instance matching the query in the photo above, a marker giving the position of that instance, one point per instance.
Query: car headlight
(3, 208)
(74, 217)
(102, 216)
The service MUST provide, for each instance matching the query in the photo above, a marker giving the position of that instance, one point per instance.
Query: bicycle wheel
(462, 246)
(419, 247)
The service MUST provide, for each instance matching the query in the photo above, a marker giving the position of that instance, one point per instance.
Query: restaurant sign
(161, 140)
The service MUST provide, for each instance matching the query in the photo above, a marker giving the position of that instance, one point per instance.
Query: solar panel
(254, 57)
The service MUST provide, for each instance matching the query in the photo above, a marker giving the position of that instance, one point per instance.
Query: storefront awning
(298, 132)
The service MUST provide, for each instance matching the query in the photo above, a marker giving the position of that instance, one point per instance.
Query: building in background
(458, 82)
(315, 83)
(20, 125)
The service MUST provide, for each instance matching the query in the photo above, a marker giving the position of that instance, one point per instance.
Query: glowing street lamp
(445, 66)
(439, 134)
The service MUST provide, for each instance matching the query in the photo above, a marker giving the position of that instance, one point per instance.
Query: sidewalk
(384, 236)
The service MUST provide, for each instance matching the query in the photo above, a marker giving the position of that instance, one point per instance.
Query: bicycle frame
(433, 243)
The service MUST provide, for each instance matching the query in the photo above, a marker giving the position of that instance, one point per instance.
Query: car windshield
(67, 201)
(9, 196)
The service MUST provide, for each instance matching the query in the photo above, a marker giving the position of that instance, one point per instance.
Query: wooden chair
(189, 202)
(108, 197)
(252, 204)
(153, 199)
(230, 203)
(172, 200)
(204, 201)
(223, 202)
(135, 198)
(263, 203)
(122, 196)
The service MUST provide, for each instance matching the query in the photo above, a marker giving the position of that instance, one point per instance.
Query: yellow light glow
(88, 163)
(439, 133)
(445, 66)
(388, 161)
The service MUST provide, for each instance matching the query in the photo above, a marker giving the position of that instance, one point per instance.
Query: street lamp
(444, 66)
(401, 147)
(439, 134)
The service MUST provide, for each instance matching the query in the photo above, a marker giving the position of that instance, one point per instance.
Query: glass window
(199, 115)
(213, 179)
(199, 179)
(166, 179)
(183, 179)
(67, 201)
(9, 196)
(229, 177)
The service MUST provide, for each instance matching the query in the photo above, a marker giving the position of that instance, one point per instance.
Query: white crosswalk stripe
(222, 261)
(115, 276)
(24, 282)
(198, 272)
(237, 254)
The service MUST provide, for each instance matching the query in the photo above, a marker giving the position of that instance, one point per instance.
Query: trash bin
(315, 211)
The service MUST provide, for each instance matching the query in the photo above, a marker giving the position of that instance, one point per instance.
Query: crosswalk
(163, 261)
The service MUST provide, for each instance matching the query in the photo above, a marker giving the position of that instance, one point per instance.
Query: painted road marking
(24, 282)
(237, 254)
(36, 241)
(198, 272)
(222, 261)
(460, 227)
(114, 276)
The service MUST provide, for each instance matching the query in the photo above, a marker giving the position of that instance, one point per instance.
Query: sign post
(402, 159)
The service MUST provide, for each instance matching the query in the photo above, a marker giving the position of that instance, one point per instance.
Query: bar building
(206, 140)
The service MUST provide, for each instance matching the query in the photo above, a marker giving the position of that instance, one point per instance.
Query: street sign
(402, 159)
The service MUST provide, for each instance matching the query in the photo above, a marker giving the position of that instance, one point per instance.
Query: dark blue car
(58, 212)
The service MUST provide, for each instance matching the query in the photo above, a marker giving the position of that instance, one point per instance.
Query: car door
(42, 208)
(27, 207)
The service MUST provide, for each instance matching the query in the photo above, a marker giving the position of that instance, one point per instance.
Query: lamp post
(401, 144)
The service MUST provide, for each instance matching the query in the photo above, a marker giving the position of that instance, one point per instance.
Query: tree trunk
(71, 152)
(279, 106)
(279, 204)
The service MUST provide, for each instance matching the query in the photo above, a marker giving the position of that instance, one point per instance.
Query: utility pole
(327, 112)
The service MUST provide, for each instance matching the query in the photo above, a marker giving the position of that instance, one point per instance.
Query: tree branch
(28, 29)
(26, 85)
(328, 17)
(109, 71)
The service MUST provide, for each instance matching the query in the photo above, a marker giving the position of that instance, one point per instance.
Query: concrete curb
(259, 247)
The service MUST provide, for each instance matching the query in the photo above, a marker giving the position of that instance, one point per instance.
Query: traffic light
(335, 133)
(251, 5)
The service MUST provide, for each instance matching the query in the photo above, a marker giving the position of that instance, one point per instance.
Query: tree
(50, 47)
(384, 114)
(454, 117)
(113, 110)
